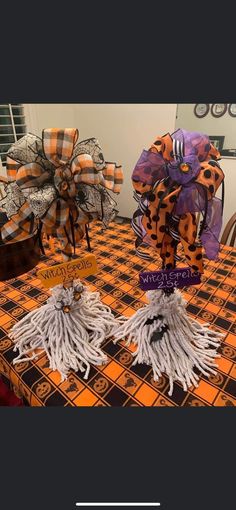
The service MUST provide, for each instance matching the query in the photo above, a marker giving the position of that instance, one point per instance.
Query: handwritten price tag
(168, 279)
(68, 271)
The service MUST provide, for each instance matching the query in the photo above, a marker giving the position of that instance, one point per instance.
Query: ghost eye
(184, 167)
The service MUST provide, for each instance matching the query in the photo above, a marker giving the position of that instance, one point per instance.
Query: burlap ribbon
(49, 173)
(176, 178)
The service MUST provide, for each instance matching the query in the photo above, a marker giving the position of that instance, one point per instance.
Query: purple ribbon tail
(211, 232)
(150, 168)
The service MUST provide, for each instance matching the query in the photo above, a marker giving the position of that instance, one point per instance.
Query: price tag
(168, 279)
(68, 271)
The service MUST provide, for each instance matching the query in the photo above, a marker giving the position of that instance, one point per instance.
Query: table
(118, 383)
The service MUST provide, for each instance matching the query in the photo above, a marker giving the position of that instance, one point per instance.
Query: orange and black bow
(173, 181)
(60, 164)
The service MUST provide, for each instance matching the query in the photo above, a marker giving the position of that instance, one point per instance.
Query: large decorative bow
(48, 173)
(175, 179)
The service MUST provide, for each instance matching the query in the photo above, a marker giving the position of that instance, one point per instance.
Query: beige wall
(228, 166)
(40, 116)
(123, 131)
(223, 126)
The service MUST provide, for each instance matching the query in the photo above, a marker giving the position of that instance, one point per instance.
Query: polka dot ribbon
(174, 180)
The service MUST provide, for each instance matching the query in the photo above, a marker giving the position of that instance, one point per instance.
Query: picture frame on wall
(218, 109)
(201, 110)
(232, 110)
(217, 141)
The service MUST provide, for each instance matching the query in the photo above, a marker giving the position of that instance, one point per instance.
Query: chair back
(230, 229)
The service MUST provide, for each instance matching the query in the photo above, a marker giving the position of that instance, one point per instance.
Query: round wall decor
(201, 110)
(218, 109)
(232, 110)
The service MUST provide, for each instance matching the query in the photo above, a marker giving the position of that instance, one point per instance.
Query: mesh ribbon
(49, 172)
(175, 179)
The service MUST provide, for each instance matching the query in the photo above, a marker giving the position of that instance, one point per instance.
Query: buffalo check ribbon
(61, 165)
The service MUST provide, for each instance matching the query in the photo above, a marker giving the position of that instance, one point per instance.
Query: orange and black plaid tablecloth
(118, 383)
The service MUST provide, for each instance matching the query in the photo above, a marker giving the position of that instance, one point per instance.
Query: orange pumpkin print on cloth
(174, 180)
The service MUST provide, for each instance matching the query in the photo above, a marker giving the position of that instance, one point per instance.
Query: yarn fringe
(170, 341)
(70, 328)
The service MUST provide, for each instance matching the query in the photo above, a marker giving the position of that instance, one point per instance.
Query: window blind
(12, 127)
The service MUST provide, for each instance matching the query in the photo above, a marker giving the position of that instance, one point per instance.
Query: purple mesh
(194, 143)
(149, 168)
(211, 233)
(191, 199)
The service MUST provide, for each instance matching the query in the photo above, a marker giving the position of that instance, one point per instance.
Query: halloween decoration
(57, 187)
(70, 328)
(174, 181)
